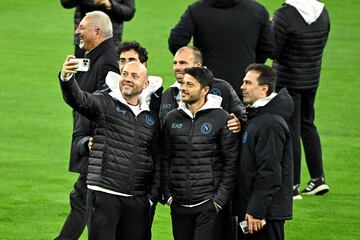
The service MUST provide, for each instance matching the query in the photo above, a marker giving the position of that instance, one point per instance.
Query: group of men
(194, 146)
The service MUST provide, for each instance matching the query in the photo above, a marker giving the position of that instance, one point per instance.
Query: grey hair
(102, 21)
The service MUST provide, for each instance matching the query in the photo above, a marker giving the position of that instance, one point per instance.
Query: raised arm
(85, 103)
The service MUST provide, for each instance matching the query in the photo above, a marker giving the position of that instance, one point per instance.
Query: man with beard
(124, 172)
(200, 156)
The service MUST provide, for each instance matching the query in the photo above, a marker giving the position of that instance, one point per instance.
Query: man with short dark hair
(264, 194)
(95, 32)
(200, 157)
(132, 51)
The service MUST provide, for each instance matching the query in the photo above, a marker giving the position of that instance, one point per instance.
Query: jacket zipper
(189, 196)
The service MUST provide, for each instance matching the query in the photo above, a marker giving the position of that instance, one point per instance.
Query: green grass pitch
(35, 123)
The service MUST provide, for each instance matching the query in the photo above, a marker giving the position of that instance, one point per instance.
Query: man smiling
(124, 172)
(264, 189)
(200, 159)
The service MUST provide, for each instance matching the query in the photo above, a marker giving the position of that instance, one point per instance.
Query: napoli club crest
(245, 137)
(149, 120)
(206, 128)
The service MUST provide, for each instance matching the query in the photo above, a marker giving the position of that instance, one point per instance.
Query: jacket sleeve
(165, 162)
(266, 43)
(155, 187)
(69, 3)
(85, 103)
(229, 153)
(280, 28)
(81, 134)
(268, 171)
(122, 10)
(181, 34)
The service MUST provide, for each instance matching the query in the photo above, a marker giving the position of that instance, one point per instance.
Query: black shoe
(296, 193)
(316, 186)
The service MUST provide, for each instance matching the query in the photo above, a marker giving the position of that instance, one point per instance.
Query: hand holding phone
(83, 64)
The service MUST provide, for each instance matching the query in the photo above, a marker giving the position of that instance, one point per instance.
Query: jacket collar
(212, 102)
(99, 49)
(112, 80)
(262, 102)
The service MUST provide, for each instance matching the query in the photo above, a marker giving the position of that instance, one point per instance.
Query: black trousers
(227, 223)
(196, 223)
(302, 127)
(76, 220)
(273, 230)
(112, 217)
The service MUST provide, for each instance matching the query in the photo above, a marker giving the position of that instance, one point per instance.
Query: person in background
(187, 57)
(301, 29)
(133, 51)
(118, 11)
(95, 32)
(263, 198)
(230, 34)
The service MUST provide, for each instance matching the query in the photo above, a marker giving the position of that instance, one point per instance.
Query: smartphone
(244, 226)
(83, 64)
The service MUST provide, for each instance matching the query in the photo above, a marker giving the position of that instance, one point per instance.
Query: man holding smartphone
(264, 189)
(95, 34)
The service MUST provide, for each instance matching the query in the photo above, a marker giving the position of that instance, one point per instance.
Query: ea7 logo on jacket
(206, 128)
(166, 106)
(245, 137)
(176, 125)
(149, 120)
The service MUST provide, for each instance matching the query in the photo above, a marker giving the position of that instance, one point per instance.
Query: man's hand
(217, 207)
(169, 201)
(254, 224)
(234, 124)
(106, 3)
(69, 67)
(90, 143)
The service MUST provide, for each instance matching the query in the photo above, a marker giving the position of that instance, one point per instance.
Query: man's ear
(146, 83)
(205, 90)
(265, 89)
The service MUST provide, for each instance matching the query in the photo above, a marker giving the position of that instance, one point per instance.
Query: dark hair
(267, 75)
(134, 45)
(202, 74)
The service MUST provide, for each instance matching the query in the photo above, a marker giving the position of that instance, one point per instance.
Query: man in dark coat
(301, 29)
(98, 45)
(199, 159)
(118, 11)
(231, 34)
(124, 164)
(264, 194)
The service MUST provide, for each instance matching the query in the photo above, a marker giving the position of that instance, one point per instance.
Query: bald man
(123, 176)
